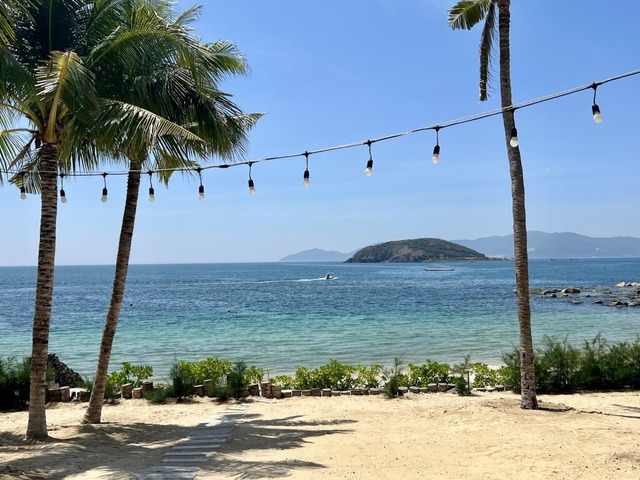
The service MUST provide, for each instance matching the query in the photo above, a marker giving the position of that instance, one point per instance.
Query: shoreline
(587, 436)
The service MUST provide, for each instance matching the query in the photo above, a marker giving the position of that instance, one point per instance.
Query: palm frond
(486, 50)
(468, 13)
(64, 84)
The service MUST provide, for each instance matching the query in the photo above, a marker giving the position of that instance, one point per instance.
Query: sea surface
(280, 315)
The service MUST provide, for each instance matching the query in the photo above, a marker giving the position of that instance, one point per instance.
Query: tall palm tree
(47, 83)
(465, 15)
(177, 81)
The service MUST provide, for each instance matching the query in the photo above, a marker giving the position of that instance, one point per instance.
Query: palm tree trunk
(94, 410)
(528, 397)
(37, 424)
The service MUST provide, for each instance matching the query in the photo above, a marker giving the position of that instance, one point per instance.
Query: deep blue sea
(281, 315)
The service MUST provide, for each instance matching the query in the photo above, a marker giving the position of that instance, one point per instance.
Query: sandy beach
(487, 435)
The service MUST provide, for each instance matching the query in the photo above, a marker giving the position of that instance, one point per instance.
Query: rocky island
(415, 250)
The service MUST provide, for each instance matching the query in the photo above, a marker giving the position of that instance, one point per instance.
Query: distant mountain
(317, 255)
(558, 245)
(415, 250)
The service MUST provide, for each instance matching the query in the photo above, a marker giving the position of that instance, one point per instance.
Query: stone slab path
(181, 459)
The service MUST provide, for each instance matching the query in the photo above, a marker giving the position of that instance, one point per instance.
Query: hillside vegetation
(415, 250)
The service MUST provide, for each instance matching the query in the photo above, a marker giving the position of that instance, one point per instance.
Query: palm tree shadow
(256, 434)
(110, 446)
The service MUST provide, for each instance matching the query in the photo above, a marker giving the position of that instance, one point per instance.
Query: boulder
(64, 375)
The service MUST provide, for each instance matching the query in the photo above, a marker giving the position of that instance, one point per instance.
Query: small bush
(286, 381)
(133, 374)
(182, 379)
(236, 380)
(392, 378)
(429, 372)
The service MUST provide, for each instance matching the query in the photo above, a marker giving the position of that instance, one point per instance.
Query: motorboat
(330, 276)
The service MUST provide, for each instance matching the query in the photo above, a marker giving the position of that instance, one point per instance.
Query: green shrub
(253, 374)
(14, 383)
(429, 372)
(511, 370)
(210, 369)
(286, 381)
(160, 394)
(236, 380)
(182, 379)
(392, 378)
(133, 374)
(368, 377)
(461, 376)
(556, 366)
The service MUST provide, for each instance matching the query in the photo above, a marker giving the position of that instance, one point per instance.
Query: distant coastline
(542, 245)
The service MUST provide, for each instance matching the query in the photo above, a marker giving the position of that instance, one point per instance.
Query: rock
(64, 375)
(570, 290)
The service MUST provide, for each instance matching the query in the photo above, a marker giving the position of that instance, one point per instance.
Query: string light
(597, 116)
(201, 187)
(252, 188)
(435, 158)
(104, 198)
(595, 109)
(369, 170)
(23, 191)
(63, 196)
(152, 193)
(305, 177)
(514, 142)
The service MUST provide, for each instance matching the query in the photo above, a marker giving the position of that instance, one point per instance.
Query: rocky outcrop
(63, 375)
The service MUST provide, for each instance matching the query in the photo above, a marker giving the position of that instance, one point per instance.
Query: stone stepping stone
(205, 439)
(184, 454)
(170, 469)
(185, 460)
(164, 476)
(193, 447)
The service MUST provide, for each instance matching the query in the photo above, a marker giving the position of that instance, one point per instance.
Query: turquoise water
(279, 315)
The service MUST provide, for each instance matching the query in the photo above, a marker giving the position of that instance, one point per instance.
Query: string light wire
(436, 127)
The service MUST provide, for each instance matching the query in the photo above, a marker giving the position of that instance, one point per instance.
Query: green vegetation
(560, 367)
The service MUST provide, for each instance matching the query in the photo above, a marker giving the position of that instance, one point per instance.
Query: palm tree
(47, 83)
(176, 81)
(465, 15)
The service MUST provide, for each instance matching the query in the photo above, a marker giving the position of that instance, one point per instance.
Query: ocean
(278, 316)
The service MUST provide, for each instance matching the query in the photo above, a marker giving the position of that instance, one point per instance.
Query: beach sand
(442, 435)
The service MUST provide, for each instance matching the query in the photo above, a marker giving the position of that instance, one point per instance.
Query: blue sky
(337, 72)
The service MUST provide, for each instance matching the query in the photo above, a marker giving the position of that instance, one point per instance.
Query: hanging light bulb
(369, 170)
(252, 188)
(63, 196)
(305, 177)
(104, 198)
(23, 191)
(152, 193)
(435, 157)
(597, 116)
(595, 109)
(201, 196)
(514, 138)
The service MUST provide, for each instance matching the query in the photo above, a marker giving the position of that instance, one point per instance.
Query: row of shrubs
(560, 367)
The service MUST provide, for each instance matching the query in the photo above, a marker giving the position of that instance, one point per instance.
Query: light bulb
(369, 170)
(436, 155)
(597, 116)
(201, 196)
(252, 188)
(306, 182)
(152, 196)
(514, 138)
(63, 196)
(23, 193)
(103, 199)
